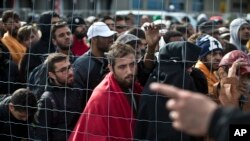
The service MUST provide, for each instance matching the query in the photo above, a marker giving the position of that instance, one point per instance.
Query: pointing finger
(167, 90)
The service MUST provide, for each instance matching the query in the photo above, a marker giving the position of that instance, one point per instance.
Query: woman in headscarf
(234, 86)
(175, 68)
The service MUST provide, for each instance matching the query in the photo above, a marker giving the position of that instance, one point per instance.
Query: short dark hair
(182, 28)
(170, 34)
(106, 18)
(54, 58)
(24, 101)
(56, 26)
(9, 14)
(185, 19)
(119, 18)
(137, 32)
(25, 31)
(119, 50)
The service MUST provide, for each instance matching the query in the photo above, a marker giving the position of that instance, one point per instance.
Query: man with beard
(11, 22)
(79, 31)
(60, 104)
(110, 112)
(234, 86)
(91, 67)
(62, 37)
(209, 59)
(239, 33)
(62, 40)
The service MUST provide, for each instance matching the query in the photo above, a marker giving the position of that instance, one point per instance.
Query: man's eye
(61, 35)
(122, 67)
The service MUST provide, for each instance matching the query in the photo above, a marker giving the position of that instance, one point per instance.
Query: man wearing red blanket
(110, 111)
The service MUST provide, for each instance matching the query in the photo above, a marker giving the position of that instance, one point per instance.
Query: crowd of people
(69, 78)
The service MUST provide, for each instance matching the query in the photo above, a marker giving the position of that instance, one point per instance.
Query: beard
(244, 42)
(126, 82)
(68, 82)
(80, 35)
(212, 66)
(64, 47)
(103, 48)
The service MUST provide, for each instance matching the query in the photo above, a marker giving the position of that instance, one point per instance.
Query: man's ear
(52, 75)
(110, 68)
(54, 42)
(11, 107)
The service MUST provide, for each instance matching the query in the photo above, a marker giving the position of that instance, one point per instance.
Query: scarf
(211, 78)
(16, 49)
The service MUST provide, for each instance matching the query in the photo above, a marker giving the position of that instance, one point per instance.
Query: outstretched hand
(152, 35)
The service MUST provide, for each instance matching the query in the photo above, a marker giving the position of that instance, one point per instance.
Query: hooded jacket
(234, 29)
(37, 53)
(153, 121)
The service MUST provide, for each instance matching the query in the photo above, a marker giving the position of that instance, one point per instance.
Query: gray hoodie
(234, 29)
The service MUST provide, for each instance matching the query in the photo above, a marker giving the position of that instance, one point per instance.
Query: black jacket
(153, 118)
(221, 121)
(56, 118)
(9, 74)
(88, 73)
(12, 129)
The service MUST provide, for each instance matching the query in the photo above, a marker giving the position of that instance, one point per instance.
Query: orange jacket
(211, 78)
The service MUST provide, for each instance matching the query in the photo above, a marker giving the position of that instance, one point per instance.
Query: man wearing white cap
(91, 66)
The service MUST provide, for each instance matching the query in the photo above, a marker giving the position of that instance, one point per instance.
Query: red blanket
(108, 115)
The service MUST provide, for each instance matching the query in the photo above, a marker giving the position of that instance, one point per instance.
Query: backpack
(38, 79)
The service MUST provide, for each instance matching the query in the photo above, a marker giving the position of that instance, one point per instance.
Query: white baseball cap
(99, 29)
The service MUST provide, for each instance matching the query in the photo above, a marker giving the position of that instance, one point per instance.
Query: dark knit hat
(73, 22)
(208, 44)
